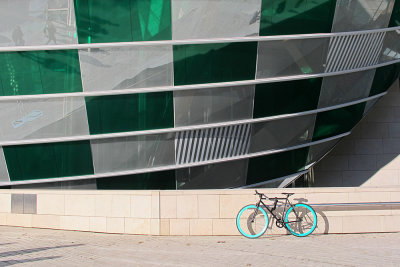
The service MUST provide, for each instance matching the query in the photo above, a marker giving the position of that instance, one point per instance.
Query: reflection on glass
(102, 21)
(3, 168)
(286, 97)
(395, 18)
(357, 15)
(337, 121)
(39, 72)
(213, 105)
(282, 133)
(135, 152)
(194, 19)
(345, 88)
(209, 63)
(213, 176)
(122, 113)
(318, 151)
(38, 22)
(291, 57)
(280, 17)
(391, 47)
(126, 67)
(51, 160)
(54, 117)
(384, 78)
(277, 165)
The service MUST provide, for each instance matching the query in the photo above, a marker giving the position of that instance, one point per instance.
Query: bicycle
(300, 219)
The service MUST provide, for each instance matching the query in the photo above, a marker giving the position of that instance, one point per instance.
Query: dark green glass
(210, 63)
(146, 181)
(123, 113)
(286, 97)
(40, 72)
(337, 121)
(280, 17)
(277, 165)
(384, 78)
(102, 21)
(40, 161)
(395, 18)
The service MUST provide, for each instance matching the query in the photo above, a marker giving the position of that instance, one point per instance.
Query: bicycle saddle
(288, 194)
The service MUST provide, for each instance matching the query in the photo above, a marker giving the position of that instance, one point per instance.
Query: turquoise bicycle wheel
(251, 221)
(301, 220)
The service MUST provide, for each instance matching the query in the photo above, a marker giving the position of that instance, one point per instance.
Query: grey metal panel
(282, 133)
(194, 19)
(30, 203)
(316, 152)
(356, 15)
(130, 153)
(38, 22)
(43, 118)
(391, 47)
(213, 176)
(126, 67)
(340, 89)
(369, 105)
(291, 57)
(353, 52)
(17, 203)
(211, 144)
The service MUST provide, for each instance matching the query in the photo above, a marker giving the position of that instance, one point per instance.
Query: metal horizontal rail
(191, 41)
(356, 204)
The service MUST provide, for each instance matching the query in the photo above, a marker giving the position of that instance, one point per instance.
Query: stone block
(167, 206)
(121, 206)
(208, 206)
(231, 204)
(115, 225)
(24, 220)
(362, 224)
(103, 205)
(187, 206)
(155, 204)
(141, 206)
(201, 227)
(362, 162)
(51, 204)
(46, 221)
(224, 227)
(179, 227)
(137, 226)
(98, 224)
(5, 202)
(155, 226)
(77, 223)
(164, 226)
(391, 146)
(368, 146)
(80, 205)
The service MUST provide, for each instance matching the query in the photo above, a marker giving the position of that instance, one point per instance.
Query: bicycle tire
(252, 228)
(301, 220)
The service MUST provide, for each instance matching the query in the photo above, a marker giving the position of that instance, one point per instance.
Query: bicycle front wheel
(251, 221)
(301, 220)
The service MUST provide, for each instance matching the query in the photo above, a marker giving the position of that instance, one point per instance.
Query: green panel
(146, 181)
(40, 72)
(395, 18)
(337, 121)
(122, 113)
(102, 21)
(286, 97)
(276, 165)
(280, 17)
(209, 63)
(39, 161)
(384, 78)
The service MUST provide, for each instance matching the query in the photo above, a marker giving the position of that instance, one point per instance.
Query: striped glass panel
(50, 160)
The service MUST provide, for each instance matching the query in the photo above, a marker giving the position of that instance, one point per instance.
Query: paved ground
(39, 247)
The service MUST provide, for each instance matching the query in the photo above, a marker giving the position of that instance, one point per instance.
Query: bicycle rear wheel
(251, 221)
(301, 220)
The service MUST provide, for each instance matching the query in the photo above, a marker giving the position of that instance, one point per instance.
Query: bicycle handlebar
(263, 196)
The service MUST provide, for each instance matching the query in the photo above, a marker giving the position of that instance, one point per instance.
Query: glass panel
(134, 152)
(294, 17)
(39, 72)
(122, 113)
(384, 78)
(213, 105)
(276, 165)
(86, 184)
(391, 47)
(337, 121)
(146, 181)
(370, 104)
(357, 15)
(214, 176)
(39, 161)
(345, 88)
(316, 152)
(282, 133)
(395, 19)
(102, 21)
(286, 97)
(3, 168)
(209, 63)
(194, 19)
(38, 22)
(43, 118)
(126, 67)
(291, 57)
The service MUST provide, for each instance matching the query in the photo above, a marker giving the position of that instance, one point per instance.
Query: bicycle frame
(271, 211)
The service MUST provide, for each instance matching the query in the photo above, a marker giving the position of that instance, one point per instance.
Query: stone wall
(370, 156)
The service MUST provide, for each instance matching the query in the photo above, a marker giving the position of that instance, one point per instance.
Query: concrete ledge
(197, 212)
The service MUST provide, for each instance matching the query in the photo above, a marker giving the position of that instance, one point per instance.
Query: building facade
(186, 94)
